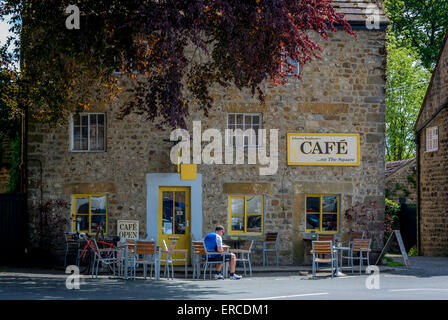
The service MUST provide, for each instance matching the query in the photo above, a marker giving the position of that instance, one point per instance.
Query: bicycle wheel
(85, 262)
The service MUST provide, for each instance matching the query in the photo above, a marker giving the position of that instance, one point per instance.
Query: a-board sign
(397, 235)
(127, 229)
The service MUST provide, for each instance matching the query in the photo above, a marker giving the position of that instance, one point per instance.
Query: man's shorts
(220, 258)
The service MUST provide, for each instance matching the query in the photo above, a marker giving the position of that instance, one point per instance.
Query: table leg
(126, 263)
(157, 264)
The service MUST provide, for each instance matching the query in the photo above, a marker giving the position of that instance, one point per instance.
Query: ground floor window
(89, 212)
(246, 214)
(322, 213)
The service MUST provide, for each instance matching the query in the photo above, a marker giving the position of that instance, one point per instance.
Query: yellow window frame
(321, 213)
(90, 214)
(246, 214)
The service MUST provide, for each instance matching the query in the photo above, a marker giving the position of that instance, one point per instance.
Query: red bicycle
(86, 258)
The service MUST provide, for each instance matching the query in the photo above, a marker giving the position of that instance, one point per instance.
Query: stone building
(401, 181)
(5, 163)
(431, 131)
(111, 170)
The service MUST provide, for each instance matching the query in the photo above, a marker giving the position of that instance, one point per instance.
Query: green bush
(413, 252)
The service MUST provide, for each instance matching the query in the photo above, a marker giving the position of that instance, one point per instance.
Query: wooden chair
(244, 255)
(323, 248)
(71, 241)
(270, 244)
(360, 246)
(325, 237)
(198, 251)
(201, 256)
(348, 245)
(145, 254)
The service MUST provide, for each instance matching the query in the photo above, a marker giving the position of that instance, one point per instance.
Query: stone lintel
(89, 188)
(247, 188)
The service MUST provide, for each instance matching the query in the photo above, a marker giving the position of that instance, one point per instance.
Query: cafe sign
(323, 149)
(127, 229)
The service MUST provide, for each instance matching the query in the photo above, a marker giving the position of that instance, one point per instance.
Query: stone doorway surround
(156, 180)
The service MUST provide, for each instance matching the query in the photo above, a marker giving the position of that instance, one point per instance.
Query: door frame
(156, 180)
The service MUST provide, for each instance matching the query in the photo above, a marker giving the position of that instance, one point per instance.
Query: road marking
(418, 289)
(292, 296)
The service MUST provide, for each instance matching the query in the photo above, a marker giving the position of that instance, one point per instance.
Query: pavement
(426, 278)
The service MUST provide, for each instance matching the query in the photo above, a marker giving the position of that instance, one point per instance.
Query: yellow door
(174, 219)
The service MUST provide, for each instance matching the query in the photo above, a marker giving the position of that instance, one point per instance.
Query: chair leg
(332, 267)
(360, 262)
(65, 257)
(249, 259)
(351, 261)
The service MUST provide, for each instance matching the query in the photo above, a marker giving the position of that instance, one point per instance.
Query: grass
(390, 262)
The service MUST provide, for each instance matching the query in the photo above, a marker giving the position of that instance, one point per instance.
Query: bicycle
(86, 258)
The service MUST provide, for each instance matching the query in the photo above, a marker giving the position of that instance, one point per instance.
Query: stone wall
(341, 93)
(434, 165)
(434, 192)
(403, 184)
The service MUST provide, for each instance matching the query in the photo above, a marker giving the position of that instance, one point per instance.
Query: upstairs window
(88, 132)
(249, 123)
(432, 139)
(293, 64)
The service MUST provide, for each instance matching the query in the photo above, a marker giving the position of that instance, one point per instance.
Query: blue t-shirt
(212, 242)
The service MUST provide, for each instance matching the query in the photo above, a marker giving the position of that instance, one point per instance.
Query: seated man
(213, 243)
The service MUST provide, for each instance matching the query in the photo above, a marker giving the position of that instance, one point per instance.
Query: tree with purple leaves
(244, 44)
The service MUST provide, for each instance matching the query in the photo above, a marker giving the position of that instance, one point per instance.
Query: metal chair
(244, 255)
(201, 256)
(145, 254)
(270, 244)
(184, 252)
(323, 248)
(107, 256)
(168, 251)
(360, 246)
(347, 246)
(70, 240)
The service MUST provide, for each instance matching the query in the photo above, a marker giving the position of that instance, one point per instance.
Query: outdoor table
(125, 249)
